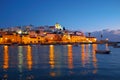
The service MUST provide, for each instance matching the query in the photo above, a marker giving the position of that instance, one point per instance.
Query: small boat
(103, 51)
(106, 51)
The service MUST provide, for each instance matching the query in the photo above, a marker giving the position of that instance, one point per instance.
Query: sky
(84, 15)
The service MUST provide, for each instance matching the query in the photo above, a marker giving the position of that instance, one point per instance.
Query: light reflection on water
(52, 56)
(52, 61)
(35, 62)
(70, 57)
(5, 62)
(6, 58)
(29, 57)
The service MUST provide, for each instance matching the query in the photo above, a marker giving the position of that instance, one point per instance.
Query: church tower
(58, 26)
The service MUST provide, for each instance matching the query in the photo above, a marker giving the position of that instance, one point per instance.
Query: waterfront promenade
(64, 43)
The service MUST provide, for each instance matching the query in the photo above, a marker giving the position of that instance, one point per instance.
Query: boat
(103, 51)
(106, 51)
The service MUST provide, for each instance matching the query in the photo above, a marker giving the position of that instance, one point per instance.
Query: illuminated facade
(26, 39)
(47, 34)
(1, 39)
(41, 39)
(11, 38)
(77, 38)
(51, 37)
(58, 26)
(91, 39)
(66, 38)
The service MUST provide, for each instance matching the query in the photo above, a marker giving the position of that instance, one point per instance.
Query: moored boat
(103, 51)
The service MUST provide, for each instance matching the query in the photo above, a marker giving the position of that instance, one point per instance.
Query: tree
(63, 28)
(89, 34)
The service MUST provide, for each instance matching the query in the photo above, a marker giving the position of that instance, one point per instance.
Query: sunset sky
(84, 15)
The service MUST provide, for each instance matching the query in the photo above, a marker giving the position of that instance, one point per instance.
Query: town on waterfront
(55, 34)
(59, 39)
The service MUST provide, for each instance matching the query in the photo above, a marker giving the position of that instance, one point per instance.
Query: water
(58, 62)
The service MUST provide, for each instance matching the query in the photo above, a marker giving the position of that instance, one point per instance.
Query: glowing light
(44, 33)
(107, 39)
(19, 32)
(95, 39)
(51, 38)
(58, 26)
(12, 39)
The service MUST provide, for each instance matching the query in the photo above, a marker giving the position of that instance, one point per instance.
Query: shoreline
(61, 43)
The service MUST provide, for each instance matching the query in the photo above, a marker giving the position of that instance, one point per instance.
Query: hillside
(112, 35)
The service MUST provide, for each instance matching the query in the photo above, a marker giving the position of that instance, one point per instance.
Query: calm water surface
(58, 62)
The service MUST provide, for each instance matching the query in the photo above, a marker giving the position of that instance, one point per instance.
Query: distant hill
(112, 35)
